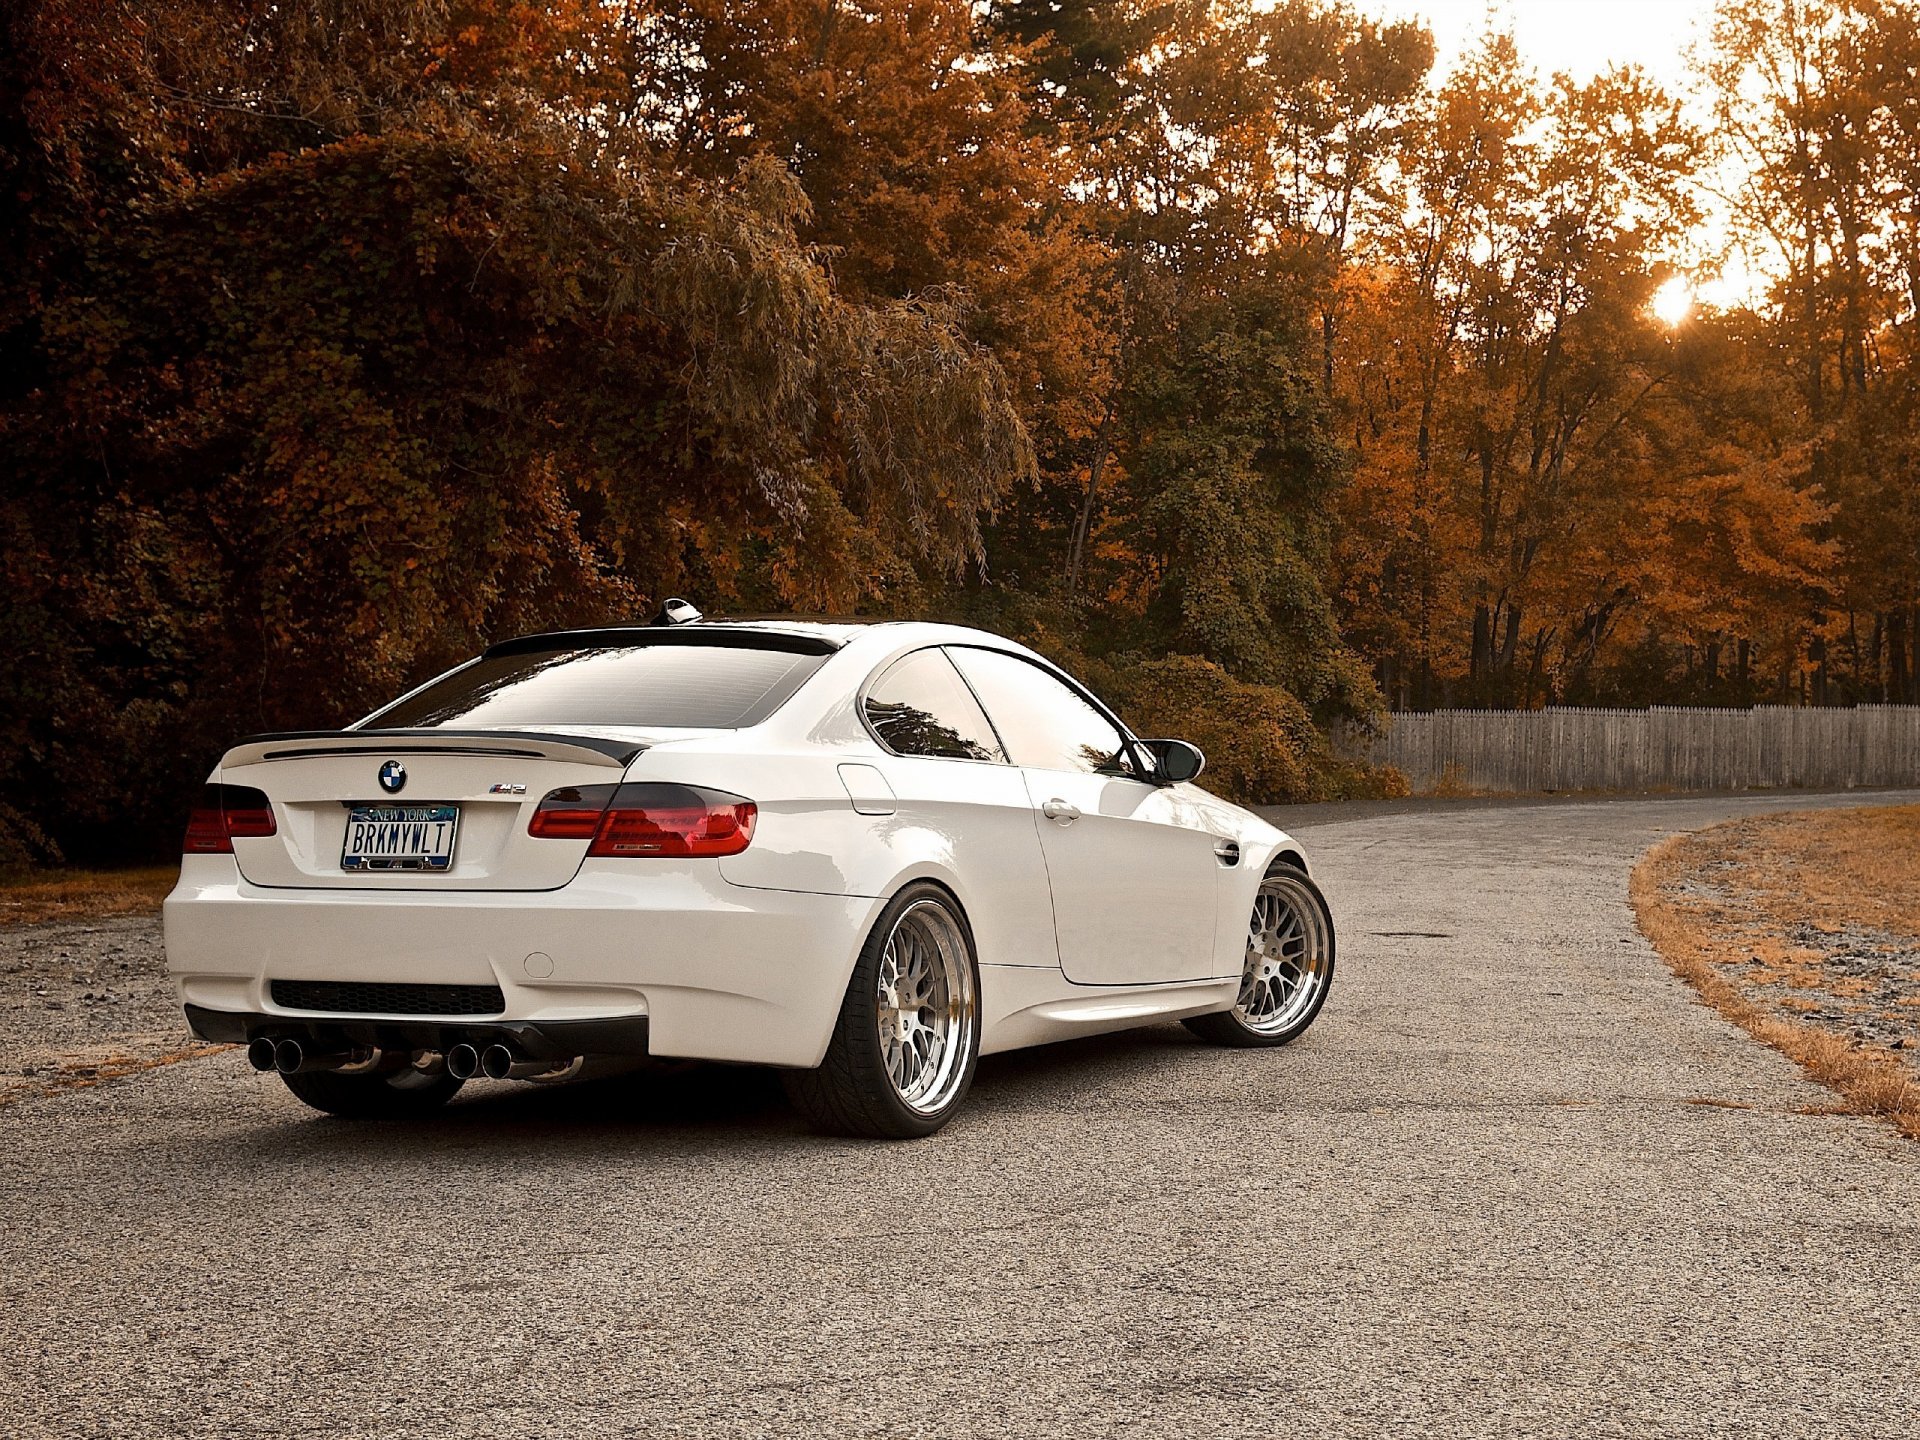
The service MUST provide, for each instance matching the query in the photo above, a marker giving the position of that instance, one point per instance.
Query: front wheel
(1289, 966)
(905, 1046)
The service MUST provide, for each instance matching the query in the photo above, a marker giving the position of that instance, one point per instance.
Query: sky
(1579, 36)
(1584, 37)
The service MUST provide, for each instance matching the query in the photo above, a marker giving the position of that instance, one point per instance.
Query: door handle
(1060, 811)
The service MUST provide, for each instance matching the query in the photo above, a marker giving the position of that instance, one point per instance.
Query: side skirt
(1022, 1005)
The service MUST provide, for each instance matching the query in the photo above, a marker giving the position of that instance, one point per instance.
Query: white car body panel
(493, 851)
(1035, 1007)
(720, 973)
(1146, 847)
(966, 824)
(744, 958)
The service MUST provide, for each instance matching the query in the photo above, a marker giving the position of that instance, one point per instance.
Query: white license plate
(400, 837)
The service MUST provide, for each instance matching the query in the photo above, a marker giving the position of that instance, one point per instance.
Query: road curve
(1474, 1201)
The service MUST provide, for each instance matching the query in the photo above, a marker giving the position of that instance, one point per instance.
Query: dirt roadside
(1804, 930)
(85, 1001)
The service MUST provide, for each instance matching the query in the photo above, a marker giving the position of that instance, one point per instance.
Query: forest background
(1229, 352)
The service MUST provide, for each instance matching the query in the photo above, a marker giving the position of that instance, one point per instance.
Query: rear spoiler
(514, 744)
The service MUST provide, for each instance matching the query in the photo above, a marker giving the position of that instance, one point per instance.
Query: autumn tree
(1816, 104)
(1201, 523)
(430, 369)
(1219, 347)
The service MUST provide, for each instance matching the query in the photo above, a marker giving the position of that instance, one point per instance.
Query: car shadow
(696, 1107)
(1036, 1073)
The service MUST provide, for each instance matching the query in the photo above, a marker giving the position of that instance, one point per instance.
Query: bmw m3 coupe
(867, 854)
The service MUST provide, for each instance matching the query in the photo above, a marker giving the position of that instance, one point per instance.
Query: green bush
(1261, 744)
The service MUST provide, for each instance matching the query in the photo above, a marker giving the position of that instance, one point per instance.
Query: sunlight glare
(1673, 301)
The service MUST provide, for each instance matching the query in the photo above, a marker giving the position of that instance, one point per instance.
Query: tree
(295, 433)
(1816, 106)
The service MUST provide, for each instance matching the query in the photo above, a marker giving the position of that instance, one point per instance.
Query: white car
(865, 853)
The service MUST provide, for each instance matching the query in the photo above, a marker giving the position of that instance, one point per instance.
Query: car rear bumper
(536, 1039)
(673, 960)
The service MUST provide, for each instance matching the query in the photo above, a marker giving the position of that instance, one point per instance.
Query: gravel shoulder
(84, 1001)
(1516, 1181)
(1804, 929)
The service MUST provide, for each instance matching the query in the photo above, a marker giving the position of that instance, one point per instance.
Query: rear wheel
(905, 1046)
(1289, 966)
(374, 1097)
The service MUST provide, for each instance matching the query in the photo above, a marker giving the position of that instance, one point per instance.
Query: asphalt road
(1474, 1201)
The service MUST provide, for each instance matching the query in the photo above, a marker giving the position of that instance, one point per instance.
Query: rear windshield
(683, 686)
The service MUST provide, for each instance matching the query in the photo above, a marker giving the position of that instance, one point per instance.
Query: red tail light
(570, 813)
(674, 820)
(224, 814)
(645, 821)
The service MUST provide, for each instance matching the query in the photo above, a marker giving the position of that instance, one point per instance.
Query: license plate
(399, 837)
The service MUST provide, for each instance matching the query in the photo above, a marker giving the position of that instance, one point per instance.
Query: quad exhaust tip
(463, 1061)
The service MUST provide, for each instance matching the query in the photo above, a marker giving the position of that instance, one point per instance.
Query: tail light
(648, 820)
(573, 812)
(226, 813)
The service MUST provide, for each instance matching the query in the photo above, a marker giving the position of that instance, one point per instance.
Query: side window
(919, 706)
(1045, 724)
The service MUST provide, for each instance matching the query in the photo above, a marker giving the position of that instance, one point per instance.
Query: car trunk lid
(351, 807)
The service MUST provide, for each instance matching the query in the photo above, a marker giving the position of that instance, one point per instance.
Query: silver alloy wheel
(1288, 945)
(926, 1006)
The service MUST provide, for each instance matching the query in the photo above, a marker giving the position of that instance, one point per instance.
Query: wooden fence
(1768, 747)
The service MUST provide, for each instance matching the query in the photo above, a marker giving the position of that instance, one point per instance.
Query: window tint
(1044, 724)
(694, 686)
(921, 707)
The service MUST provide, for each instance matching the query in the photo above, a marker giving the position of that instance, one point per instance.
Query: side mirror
(1174, 760)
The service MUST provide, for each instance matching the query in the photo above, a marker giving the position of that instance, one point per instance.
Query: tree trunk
(1913, 670)
(1897, 690)
(825, 40)
(1327, 329)
(1876, 683)
(1083, 524)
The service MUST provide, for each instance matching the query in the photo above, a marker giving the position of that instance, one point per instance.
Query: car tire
(405, 1095)
(1289, 966)
(896, 1069)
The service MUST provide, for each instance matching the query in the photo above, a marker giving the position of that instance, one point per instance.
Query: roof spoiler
(615, 636)
(515, 744)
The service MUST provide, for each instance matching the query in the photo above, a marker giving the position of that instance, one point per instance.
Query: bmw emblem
(393, 777)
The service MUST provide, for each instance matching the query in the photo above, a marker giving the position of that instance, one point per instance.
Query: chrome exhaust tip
(260, 1054)
(289, 1056)
(463, 1061)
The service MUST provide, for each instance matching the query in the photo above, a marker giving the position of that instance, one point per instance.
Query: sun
(1673, 302)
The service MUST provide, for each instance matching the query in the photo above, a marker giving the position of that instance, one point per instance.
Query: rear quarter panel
(964, 825)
